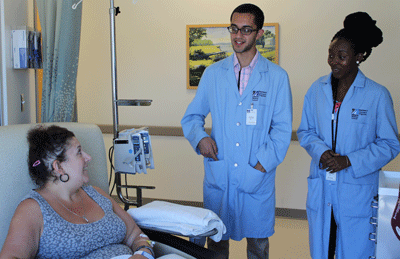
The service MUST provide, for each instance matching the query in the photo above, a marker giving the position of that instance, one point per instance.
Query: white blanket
(186, 220)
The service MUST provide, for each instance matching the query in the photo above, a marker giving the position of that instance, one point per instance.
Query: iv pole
(114, 11)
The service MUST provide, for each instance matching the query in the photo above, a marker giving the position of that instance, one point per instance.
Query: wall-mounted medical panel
(26, 48)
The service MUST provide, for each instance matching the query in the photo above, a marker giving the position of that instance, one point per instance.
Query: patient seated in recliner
(65, 217)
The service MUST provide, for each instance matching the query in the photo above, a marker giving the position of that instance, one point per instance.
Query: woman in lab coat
(349, 129)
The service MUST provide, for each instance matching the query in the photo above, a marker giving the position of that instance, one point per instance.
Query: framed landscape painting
(207, 44)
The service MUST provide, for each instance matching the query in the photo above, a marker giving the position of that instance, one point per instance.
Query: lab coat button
(237, 144)
(238, 124)
(329, 204)
(236, 165)
(240, 103)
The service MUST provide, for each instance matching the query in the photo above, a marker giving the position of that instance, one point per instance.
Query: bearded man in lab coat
(250, 102)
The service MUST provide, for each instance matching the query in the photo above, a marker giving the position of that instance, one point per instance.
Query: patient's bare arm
(23, 236)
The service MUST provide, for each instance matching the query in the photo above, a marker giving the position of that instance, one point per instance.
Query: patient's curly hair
(46, 144)
(361, 32)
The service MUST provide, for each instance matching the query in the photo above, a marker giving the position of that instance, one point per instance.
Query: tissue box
(20, 49)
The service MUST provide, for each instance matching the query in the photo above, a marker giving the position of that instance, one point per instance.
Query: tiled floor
(289, 241)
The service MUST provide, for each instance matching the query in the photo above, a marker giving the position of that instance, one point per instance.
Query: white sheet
(186, 220)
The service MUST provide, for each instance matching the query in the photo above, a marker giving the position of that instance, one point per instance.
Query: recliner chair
(15, 182)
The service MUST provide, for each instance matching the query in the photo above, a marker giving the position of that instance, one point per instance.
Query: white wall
(15, 83)
(151, 51)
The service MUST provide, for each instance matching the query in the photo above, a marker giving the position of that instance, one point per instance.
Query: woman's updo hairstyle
(361, 32)
(46, 144)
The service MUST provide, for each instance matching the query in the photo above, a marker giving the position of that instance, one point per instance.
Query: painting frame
(202, 50)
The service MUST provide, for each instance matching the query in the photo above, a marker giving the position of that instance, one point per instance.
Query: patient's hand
(208, 148)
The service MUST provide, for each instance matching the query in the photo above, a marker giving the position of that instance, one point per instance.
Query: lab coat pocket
(370, 179)
(355, 200)
(314, 194)
(255, 181)
(215, 174)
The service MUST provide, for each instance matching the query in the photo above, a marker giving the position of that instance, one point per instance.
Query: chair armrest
(183, 245)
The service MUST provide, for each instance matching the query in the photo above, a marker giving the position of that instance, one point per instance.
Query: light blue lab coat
(367, 134)
(243, 197)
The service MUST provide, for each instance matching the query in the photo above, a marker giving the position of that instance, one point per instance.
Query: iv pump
(132, 151)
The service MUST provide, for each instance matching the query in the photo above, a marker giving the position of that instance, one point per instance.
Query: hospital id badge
(251, 117)
(330, 176)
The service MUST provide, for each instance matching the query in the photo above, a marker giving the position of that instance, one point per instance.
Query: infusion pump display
(132, 151)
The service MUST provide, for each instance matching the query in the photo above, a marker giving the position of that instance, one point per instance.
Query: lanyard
(239, 79)
(334, 136)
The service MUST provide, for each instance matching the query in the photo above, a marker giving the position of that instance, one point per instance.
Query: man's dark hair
(254, 10)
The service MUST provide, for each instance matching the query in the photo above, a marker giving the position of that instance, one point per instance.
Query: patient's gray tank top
(62, 239)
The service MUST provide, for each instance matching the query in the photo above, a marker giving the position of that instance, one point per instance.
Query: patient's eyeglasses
(246, 30)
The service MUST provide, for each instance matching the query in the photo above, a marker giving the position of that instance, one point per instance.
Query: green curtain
(61, 29)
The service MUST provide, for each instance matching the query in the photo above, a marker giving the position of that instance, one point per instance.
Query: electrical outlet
(22, 103)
